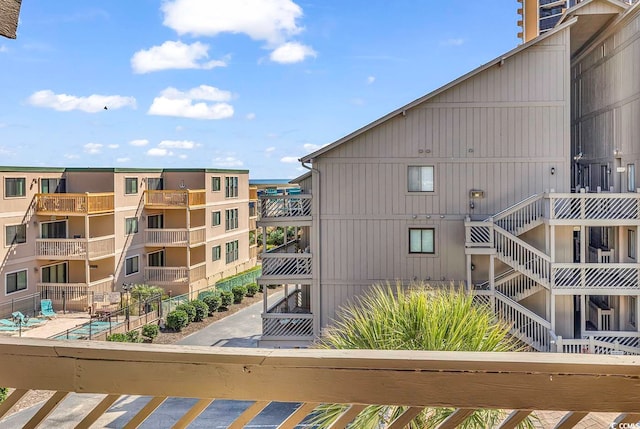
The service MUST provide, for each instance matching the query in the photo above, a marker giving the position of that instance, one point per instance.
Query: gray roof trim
(568, 12)
(300, 178)
(319, 152)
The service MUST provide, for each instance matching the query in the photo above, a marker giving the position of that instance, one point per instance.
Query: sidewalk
(56, 326)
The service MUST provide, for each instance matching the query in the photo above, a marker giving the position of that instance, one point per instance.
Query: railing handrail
(286, 255)
(597, 265)
(287, 316)
(266, 374)
(75, 194)
(588, 196)
(514, 208)
(524, 310)
(522, 243)
(285, 197)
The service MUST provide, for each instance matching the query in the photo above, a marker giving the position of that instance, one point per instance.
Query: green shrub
(238, 293)
(118, 338)
(252, 289)
(213, 301)
(226, 299)
(150, 331)
(177, 319)
(202, 310)
(3, 393)
(188, 308)
(133, 337)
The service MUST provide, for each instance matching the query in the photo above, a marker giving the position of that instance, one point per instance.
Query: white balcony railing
(74, 296)
(287, 326)
(175, 237)
(295, 265)
(582, 276)
(173, 275)
(597, 206)
(75, 248)
(285, 206)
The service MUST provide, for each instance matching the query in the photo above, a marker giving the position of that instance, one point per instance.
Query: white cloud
(182, 156)
(173, 102)
(292, 52)
(251, 116)
(228, 161)
(93, 148)
(113, 146)
(179, 128)
(139, 142)
(156, 151)
(453, 42)
(177, 144)
(270, 149)
(91, 104)
(271, 20)
(3, 49)
(370, 80)
(174, 55)
(289, 159)
(123, 159)
(71, 156)
(310, 147)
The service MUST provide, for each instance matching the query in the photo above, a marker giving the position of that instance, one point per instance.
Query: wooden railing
(175, 236)
(294, 265)
(75, 248)
(417, 380)
(613, 342)
(73, 296)
(522, 256)
(601, 255)
(517, 286)
(599, 206)
(285, 206)
(519, 216)
(74, 204)
(287, 326)
(583, 276)
(175, 199)
(172, 275)
(526, 325)
(478, 233)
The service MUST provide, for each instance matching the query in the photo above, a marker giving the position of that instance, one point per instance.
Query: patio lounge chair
(26, 321)
(46, 308)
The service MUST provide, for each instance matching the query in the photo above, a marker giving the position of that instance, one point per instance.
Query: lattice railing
(287, 325)
(278, 206)
(581, 276)
(594, 206)
(601, 343)
(286, 264)
(478, 234)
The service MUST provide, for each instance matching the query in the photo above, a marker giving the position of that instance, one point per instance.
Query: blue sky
(251, 84)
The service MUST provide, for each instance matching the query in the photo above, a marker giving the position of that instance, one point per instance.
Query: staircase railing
(519, 215)
(516, 285)
(513, 251)
(526, 325)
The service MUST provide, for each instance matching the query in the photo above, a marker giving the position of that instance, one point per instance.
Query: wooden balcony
(618, 279)
(286, 266)
(175, 199)
(285, 209)
(287, 321)
(75, 248)
(179, 237)
(166, 276)
(103, 374)
(604, 209)
(74, 296)
(74, 204)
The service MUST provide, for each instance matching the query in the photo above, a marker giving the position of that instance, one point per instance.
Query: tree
(417, 318)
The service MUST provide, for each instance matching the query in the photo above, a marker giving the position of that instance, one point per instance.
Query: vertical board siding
(500, 131)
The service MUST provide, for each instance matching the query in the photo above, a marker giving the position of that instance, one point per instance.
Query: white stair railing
(518, 217)
(522, 256)
(518, 286)
(526, 325)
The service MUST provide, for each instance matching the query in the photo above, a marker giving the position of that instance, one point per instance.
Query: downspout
(316, 224)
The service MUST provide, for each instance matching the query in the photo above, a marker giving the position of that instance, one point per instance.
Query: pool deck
(56, 326)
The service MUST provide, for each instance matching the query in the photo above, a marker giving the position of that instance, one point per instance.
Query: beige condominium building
(516, 180)
(69, 233)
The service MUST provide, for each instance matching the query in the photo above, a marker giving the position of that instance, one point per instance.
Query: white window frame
(219, 180)
(213, 253)
(6, 282)
(422, 185)
(125, 265)
(6, 236)
(126, 189)
(126, 225)
(219, 218)
(24, 180)
(231, 219)
(235, 251)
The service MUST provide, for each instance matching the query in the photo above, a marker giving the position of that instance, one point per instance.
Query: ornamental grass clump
(415, 318)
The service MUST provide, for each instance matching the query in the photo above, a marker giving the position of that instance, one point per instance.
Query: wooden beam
(570, 420)
(11, 400)
(456, 418)
(97, 411)
(193, 412)
(628, 418)
(514, 419)
(347, 416)
(297, 416)
(542, 381)
(405, 418)
(144, 413)
(249, 414)
(45, 410)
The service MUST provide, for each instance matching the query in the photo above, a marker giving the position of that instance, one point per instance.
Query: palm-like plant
(416, 318)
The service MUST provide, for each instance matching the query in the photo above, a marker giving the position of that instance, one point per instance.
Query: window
(631, 177)
(215, 183)
(216, 253)
(156, 259)
(215, 218)
(232, 251)
(420, 178)
(57, 229)
(15, 234)
(16, 281)
(631, 243)
(230, 187)
(421, 240)
(15, 187)
(252, 209)
(130, 185)
(155, 221)
(231, 219)
(53, 186)
(154, 184)
(131, 265)
(54, 273)
(130, 225)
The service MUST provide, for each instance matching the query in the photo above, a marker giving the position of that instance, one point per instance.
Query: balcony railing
(175, 199)
(290, 265)
(285, 206)
(582, 276)
(596, 206)
(175, 237)
(75, 248)
(175, 275)
(601, 342)
(417, 380)
(74, 204)
(74, 296)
